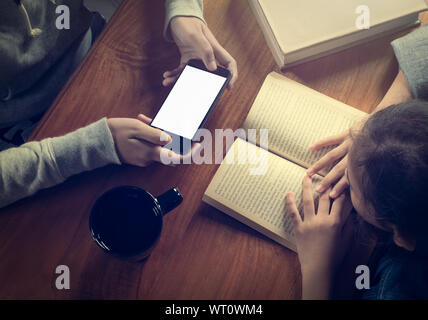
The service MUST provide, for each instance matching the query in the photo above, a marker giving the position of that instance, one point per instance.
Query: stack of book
(299, 31)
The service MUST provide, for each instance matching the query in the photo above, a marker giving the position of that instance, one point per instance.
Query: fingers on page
(324, 204)
(334, 175)
(292, 208)
(308, 199)
(329, 141)
(339, 188)
(327, 159)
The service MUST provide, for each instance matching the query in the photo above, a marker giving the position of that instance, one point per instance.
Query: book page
(296, 117)
(257, 200)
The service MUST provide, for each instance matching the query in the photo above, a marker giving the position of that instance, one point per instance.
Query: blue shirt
(399, 275)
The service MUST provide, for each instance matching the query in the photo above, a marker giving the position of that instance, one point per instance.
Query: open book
(298, 31)
(253, 191)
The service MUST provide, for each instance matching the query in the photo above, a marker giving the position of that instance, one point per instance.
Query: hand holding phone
(189, 103)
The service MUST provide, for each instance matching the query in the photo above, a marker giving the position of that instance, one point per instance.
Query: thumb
(211, 65)
(209, 58)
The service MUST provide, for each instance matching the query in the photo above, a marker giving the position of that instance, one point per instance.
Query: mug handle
(170, 200)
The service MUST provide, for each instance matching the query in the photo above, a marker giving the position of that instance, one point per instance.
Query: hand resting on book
(339, 154)
(322, 238)
(398, 92)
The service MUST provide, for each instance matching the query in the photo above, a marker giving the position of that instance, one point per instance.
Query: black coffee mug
(127, 221)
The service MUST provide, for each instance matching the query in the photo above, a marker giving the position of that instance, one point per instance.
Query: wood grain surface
(202, 254)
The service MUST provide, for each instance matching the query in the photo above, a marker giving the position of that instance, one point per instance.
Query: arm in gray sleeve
(186, 8)
(39, 165)
(412, 55)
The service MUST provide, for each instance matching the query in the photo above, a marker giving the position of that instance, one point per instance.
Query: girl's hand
(321, 237)
(337, 173)
(195, 41)
(138, 143)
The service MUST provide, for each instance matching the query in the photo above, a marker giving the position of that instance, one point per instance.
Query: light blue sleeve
(412, 55)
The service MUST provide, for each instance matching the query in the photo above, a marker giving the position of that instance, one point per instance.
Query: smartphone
(186, 108)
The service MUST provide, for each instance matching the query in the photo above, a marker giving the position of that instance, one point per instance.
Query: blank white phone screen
(188, 102)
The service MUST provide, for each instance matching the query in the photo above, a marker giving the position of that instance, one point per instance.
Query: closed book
(299, 31)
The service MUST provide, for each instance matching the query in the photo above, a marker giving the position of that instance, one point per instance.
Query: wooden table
(203, 254)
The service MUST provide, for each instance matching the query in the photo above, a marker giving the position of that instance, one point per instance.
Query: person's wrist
(110, 125)
(179, 22)
(178, 26)
(313, 270)
(316, 286)
(176, 21)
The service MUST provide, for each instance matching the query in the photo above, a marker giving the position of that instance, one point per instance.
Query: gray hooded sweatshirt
(30, 44)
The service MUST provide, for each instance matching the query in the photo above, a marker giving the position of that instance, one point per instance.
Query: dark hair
(392, 153)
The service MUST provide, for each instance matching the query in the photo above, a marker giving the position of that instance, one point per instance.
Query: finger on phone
(174, 72)
(233, 68)
(169, 81)
(166, 156)
(152, 135)
(229, 62)
(195, 149)
(171, 76)
(143, 118)
(223, 57)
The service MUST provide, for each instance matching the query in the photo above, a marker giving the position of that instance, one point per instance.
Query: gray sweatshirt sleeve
(186, 8)
(412, 55)
(38, 165)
